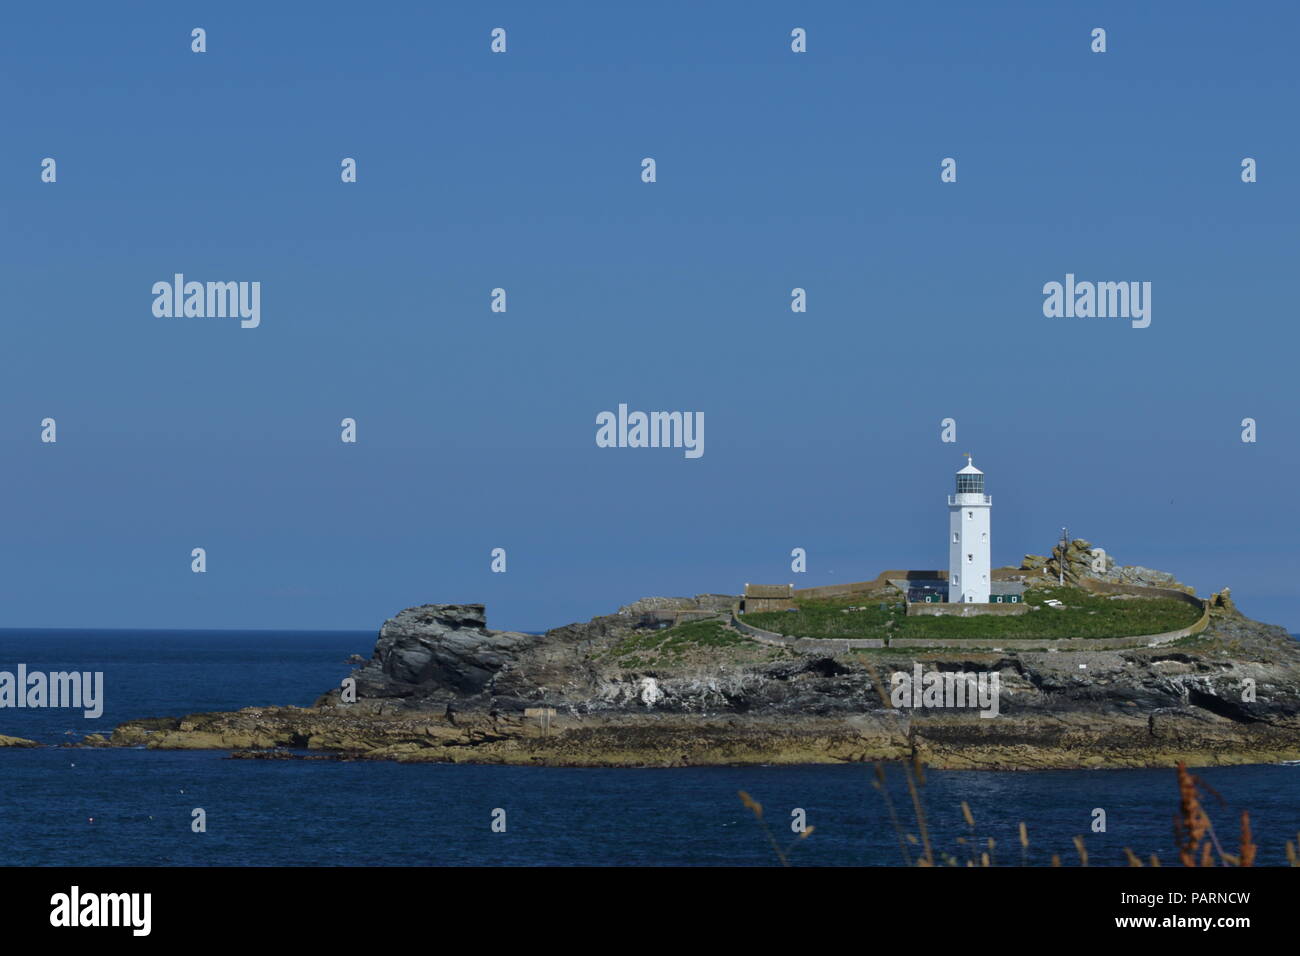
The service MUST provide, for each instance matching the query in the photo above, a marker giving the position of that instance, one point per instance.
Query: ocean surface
(62, 806)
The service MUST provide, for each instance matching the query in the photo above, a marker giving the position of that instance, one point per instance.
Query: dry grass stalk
(1083, 851)
(1247, 841)
(915, 780)
(1194, 833)
(879, 784)
(757, 809)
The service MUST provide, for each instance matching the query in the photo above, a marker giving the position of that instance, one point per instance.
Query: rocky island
(686, 681)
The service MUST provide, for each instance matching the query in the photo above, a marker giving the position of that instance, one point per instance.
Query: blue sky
(522, 171)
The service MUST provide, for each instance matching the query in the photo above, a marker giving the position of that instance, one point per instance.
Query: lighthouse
(969, 511)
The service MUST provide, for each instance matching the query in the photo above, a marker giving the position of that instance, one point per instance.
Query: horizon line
(265, 630)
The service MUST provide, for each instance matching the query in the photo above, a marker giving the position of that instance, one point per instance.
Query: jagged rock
(716, 602)
(1078, 560)
(659, 604)
(17, 742)
(1222, 601)
(701, 602)
(437, 647)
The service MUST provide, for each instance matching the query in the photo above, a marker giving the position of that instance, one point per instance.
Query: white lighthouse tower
(969, 511)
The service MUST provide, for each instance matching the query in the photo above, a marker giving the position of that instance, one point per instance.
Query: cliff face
(437, 647)
(438, 654)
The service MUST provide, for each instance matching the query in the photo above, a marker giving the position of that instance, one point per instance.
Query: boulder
(1077, 560)
(1222, 601)
(437, 647)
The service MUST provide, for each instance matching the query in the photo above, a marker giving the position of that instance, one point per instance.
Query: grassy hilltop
(1081, 615)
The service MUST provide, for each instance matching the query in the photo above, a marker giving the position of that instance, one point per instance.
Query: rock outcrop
(1222, 601)
(1081, 562)
(437, 648)
(440, 685)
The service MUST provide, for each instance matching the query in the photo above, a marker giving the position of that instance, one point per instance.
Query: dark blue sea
(62, 806)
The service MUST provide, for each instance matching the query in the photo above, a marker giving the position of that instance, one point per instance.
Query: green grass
(1085, 615)
(638, 650)
(829, 619)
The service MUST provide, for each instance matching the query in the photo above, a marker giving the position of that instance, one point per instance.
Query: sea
(84, 807)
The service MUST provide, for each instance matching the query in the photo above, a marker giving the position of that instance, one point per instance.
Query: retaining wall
(963, 609)
(835, 646)
(883, 578)
(858, 587)
(758, 634)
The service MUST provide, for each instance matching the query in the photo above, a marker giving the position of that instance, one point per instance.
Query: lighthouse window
(970, 514)
(970, 558)
(984, 536)
(954, 537)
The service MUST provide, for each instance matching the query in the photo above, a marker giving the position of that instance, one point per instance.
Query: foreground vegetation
(1194, 837)
(1083, 614)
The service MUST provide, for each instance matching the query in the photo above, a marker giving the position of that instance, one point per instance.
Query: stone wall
(884, 577)
(1041, 643)
(1140, 590)
(722, 603)
(861, 587)
(962, 609)
(768, 597)
(768, 590)
(759, 605)
(811, 645)
(758, 634)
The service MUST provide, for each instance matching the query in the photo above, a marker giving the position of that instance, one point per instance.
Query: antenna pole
(1060, 565)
